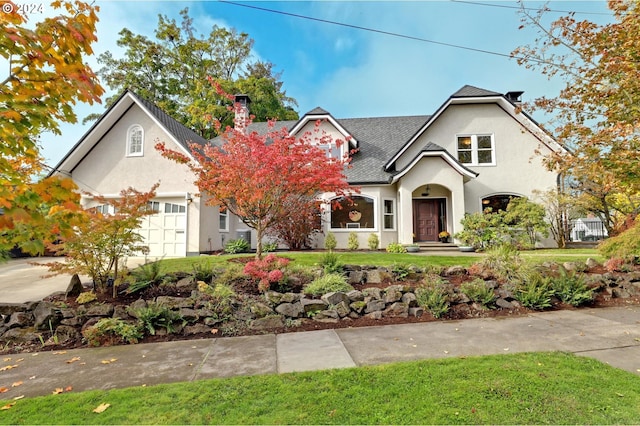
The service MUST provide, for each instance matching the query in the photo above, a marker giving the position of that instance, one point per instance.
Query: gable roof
(180, 134)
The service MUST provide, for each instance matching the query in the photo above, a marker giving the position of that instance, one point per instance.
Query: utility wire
(529, 8)
(389, 33)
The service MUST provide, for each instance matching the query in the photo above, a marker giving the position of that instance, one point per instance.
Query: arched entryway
(429, 212)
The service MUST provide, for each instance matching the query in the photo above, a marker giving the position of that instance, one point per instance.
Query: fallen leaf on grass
(18, 397)
(60, 353)
(8, 367)
(100, 408)
(8, 406)
(68, 389)
(19, 359)
(74, 359)
(16, 384)
(58, 391)
(109, 361)
(6, 359)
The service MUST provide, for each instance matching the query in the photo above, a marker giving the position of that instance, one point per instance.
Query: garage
(165, 231)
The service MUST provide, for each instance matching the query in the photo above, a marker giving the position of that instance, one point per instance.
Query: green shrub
(533, 289)
(330, 263)
(112, 331)
(229, 275)
(400, 271)
(202, 272)
(571, 288)
(503, 260)
(330, 242)
(86, 297)
(145, 276)
(221, 299)
(157, 315)
(373, 242)
(352, 241)
(269, 247)
(396, 248)
(434, 298)
(625, 246)
(237, 246)
(479, 291)
(326, 284)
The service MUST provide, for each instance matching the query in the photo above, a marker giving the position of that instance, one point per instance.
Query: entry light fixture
(426, 191)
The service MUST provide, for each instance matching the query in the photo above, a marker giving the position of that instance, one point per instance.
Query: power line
(388, 33)
(504, 6)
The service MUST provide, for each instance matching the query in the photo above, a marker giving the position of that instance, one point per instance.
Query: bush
(533, 289)
(625, 246)
(327, 284)
(400, 272)
(396, 248)
(482, 230)
(330, 242)
(571, 288)
(330, 263)
(269, 247)
(145, 276)
(434, 298)
(267, 270)
(86, 297)
(237, 246)
(503, 260)
(352, 242)
(373, 242)
(112, 331)
(221, 299)
(157, 315)
(479, 291)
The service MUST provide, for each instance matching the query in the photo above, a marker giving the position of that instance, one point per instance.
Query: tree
(100, 241)
(172, 72)
(46, 76)
(305, 221)
(527, 220)
(560, 208)
(255, 175)
(597, 113)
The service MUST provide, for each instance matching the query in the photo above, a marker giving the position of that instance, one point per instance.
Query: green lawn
(534, 388)
(383, 259)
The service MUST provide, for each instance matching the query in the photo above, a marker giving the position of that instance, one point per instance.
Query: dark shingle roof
(473, 92)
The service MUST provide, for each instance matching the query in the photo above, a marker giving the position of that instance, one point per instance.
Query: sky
(399, 61)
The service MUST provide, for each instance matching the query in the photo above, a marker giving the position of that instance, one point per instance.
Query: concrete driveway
(21, 281)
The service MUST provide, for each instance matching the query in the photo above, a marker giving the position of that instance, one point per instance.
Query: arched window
(497, 202)
(135, 141)
(357, 212)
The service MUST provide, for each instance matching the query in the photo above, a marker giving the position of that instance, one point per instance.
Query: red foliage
(267, 270)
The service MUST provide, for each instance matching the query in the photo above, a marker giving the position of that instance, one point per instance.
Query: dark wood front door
(426, 219)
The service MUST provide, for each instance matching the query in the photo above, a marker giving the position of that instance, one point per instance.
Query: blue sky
(352, 72)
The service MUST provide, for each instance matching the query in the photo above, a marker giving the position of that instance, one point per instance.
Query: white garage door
(165, 232)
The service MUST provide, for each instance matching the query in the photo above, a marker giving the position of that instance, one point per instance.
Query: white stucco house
(418, 175)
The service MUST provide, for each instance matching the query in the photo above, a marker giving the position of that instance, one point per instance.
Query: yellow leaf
(100, 408)
(16, 384)
(18, 397)
(60, 353)
(74, 359)
(57, 391)
(3, 390)
(8, 367)
(8, 406)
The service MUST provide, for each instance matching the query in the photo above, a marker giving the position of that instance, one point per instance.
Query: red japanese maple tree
(255, 175)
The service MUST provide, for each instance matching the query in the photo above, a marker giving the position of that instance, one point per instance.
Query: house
(418, 175)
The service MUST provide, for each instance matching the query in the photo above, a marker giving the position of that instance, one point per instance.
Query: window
(223, 217)
(174, 208)
(102, 208)
(153, 206)
(353, 212)
(476, 150)
(389, 219)
(497, 202)
(135, 141)
(332, 151)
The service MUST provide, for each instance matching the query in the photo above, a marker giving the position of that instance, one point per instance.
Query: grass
(531, 388)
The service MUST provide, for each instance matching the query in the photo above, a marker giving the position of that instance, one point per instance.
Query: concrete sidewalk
(611, 335)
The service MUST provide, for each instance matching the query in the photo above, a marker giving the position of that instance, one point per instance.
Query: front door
(426, 219)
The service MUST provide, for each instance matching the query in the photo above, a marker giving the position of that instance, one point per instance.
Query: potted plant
(412, 248)
(444, 236)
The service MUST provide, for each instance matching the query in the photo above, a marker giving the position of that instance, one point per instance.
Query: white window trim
(346, 229)
(474, 149)
(135, 154)
(393, 214)
(226, 222)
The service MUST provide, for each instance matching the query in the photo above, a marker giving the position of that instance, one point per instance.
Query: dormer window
(135, 141)
(332, 151)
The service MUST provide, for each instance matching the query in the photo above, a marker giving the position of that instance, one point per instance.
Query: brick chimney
(241, 112)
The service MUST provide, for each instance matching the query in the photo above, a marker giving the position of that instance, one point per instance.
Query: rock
(392, 294)
(343, 309)
(592, 263)
(376, 315)
(187, 284)
(355, 295)
(196, 329)
(260, 309)
(570, 266)
(19, 320)
(378, 276)
(416, 311)
(455, 270)
(335, 297)
(375, 306)
(6, 309)
(291, 310)
(372, 292)
(313, 305)
(267, 323)
(273, 297)
(290, 297)
(173, 302)
(410, 299)
(136, 306)
(620, 293)
(74, 288)
(328, 313)
(46, 316)
(355, 277)
(358, 306)
(502, 303)
(189, 315)
(397, 309)
(66, 333)
(20, 335)
(120, 312)
(101, 310)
